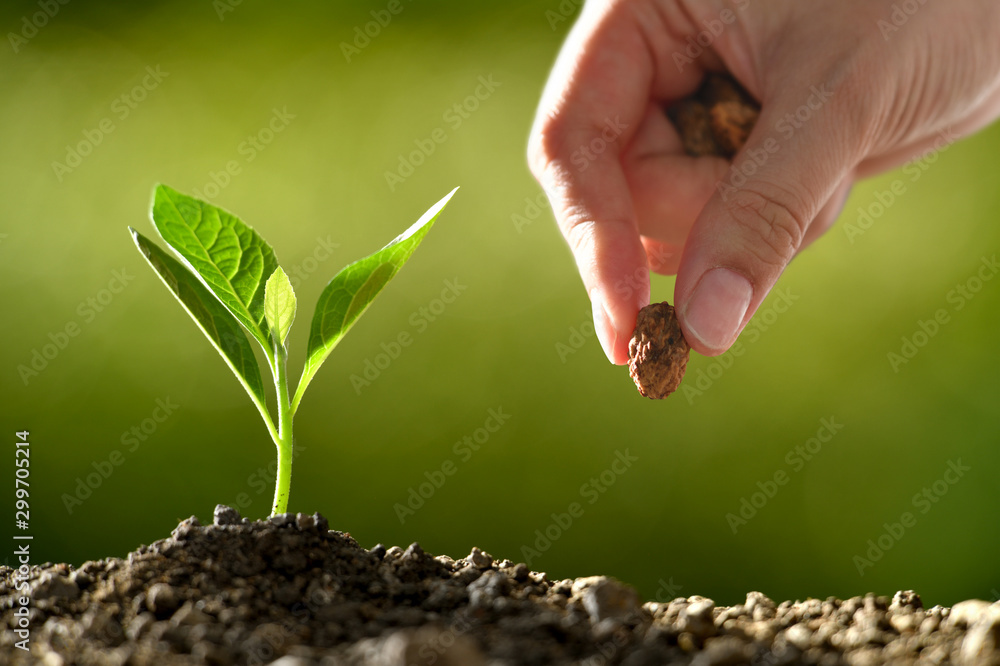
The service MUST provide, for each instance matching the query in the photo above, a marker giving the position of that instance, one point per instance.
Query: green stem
(284, 441)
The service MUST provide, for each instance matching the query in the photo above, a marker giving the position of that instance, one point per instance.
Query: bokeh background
(517, 337)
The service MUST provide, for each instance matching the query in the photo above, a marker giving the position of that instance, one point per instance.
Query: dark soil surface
(291, 592)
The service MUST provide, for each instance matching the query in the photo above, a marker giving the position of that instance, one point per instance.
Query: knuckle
(538, 153)
(771, 218)
(547, 144)
(580, 235)
(597, 245)
(559, 141)
(579, 228)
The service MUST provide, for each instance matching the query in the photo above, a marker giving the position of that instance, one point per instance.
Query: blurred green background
(517, 338)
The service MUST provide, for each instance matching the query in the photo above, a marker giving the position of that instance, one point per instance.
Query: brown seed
(732, 123)
(719, 88)
(717, 119)
(658, 352)
(694, 123)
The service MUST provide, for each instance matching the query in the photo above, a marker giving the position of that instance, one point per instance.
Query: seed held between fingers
(658, 353)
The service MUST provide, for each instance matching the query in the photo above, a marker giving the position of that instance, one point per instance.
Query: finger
(829, 213)
(663, 258)
(669, 188)
(763, 211)
(595, 101)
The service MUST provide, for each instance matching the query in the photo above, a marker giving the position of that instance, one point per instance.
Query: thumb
(803, 147)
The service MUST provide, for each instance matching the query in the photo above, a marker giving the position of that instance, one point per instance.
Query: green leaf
(230, 257)
(214, 320)
(279, 305)
(352, 290)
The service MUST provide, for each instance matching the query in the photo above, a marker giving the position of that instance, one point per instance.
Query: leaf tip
(140, 242)
(279, 305)
(161, 193)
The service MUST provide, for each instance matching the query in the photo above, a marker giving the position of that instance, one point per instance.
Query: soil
(289, 591)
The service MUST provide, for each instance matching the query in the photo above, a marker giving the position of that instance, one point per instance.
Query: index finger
(595, 98)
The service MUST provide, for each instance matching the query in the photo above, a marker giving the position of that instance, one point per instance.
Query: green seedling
(227, 278)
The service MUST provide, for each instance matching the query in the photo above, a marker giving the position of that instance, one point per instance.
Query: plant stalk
(284, 442)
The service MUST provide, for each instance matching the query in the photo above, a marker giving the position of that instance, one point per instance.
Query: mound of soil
(291, 592)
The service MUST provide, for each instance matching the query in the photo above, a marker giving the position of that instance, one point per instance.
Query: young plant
(228, 279)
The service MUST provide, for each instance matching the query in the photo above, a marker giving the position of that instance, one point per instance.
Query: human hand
(848, 88)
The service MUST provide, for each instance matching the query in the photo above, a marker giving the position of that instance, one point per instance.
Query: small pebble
(188, 615)
(414, 552)
(56, 587)
(304, 521)
(480, 559)
(799, 636)
(162, 600)
(696, 617)
(283, 519)
(906, 599)
(289, 660)
(225, 515)
(605, 597)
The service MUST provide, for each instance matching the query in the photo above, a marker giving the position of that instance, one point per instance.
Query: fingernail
(716, 309)
(602, 324)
